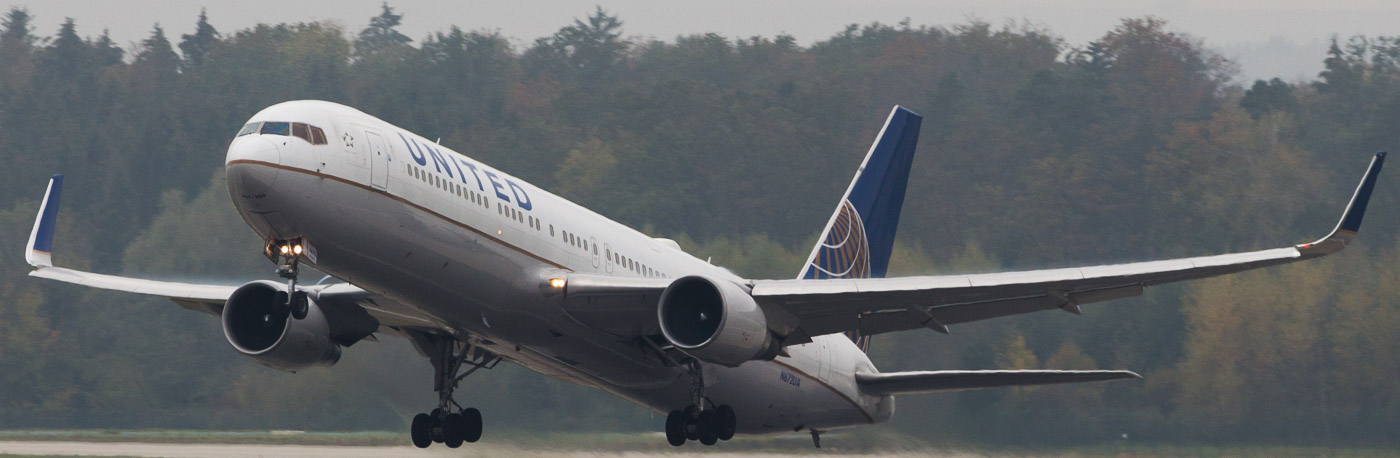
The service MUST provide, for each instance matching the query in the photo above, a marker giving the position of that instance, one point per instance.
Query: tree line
(1035, 153)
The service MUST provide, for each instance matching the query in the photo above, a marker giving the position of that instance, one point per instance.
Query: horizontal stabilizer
(892, 383)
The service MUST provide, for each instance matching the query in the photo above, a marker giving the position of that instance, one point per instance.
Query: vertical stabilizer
(859, 237)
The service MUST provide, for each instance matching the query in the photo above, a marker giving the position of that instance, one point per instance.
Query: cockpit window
(248, 129)
(300, 130)
(312, 134)
(276, 128)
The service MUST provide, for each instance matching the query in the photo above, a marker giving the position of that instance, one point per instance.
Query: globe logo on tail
(844, 253)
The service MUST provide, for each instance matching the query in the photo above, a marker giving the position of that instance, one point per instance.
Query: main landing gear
(449, 423)
(287, 254)
(696, 422)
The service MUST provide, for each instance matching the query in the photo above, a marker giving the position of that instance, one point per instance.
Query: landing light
(296, 249)
(285, 249)
(557, 283)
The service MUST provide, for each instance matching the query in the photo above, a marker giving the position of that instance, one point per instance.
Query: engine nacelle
(715, 321)
(254, 326)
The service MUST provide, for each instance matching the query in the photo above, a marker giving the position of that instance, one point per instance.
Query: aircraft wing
(880, 305)
(798, 310)
(894, 383)
(338, 300)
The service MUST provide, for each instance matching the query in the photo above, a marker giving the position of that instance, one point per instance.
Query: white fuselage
(463, 247)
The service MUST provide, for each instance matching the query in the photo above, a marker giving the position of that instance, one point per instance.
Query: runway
(252, 450)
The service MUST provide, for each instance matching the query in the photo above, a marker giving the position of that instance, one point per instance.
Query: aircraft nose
(252, 148)
(251, 172)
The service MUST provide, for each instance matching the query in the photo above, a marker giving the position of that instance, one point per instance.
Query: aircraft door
(593, 243)
(378, 161)
(607, 258)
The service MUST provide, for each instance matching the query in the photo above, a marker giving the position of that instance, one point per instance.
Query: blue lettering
(521, 199)
(419, 158)
(438, 162)
(460, 175)
(469, 165)
(497, 185)
(421, 153)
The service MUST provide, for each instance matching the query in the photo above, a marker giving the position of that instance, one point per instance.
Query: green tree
(382, 33)
(196, 46)
(1268, 97)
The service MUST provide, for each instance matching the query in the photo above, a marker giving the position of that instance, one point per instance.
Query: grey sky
(1267, 37)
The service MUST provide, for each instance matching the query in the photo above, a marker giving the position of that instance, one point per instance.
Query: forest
(1035, 153)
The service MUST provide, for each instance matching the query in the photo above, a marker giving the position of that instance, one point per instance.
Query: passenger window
(301, 131)
(551, 230)
(318, 136)
(248, 129)
(276, 128)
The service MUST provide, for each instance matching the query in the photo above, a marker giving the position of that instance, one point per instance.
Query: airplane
(474, 266)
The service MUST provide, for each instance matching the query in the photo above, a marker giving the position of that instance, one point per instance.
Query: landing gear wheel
(691, 428)
(436, 428)
(421, 431)
(471, 424)
(705, 424)
(725, 422)
(300, 305)
(675, 428)
(452, 429)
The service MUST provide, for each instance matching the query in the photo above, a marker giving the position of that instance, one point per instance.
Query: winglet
(1347, 228)
(41, 238)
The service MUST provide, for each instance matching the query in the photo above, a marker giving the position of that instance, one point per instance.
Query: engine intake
(715, 321)
(261, 330)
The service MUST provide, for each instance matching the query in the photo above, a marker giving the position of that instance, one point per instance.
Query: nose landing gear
(287, 254)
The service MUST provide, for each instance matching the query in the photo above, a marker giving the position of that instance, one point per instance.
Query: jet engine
(260, 326)
(715, 321)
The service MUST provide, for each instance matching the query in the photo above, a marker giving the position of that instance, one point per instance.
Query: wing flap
(896, 383)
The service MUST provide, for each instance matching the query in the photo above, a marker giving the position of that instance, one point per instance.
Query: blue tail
(859, 238)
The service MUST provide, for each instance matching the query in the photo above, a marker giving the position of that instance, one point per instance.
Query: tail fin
(859, 237)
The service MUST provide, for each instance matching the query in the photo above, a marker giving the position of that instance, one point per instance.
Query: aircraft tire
(472, 424)
(725, 422)
(435, 426)
(453, 427)
(690, 426)
(421, 430)
(705, 425)
(675, 428)
(300, 305)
